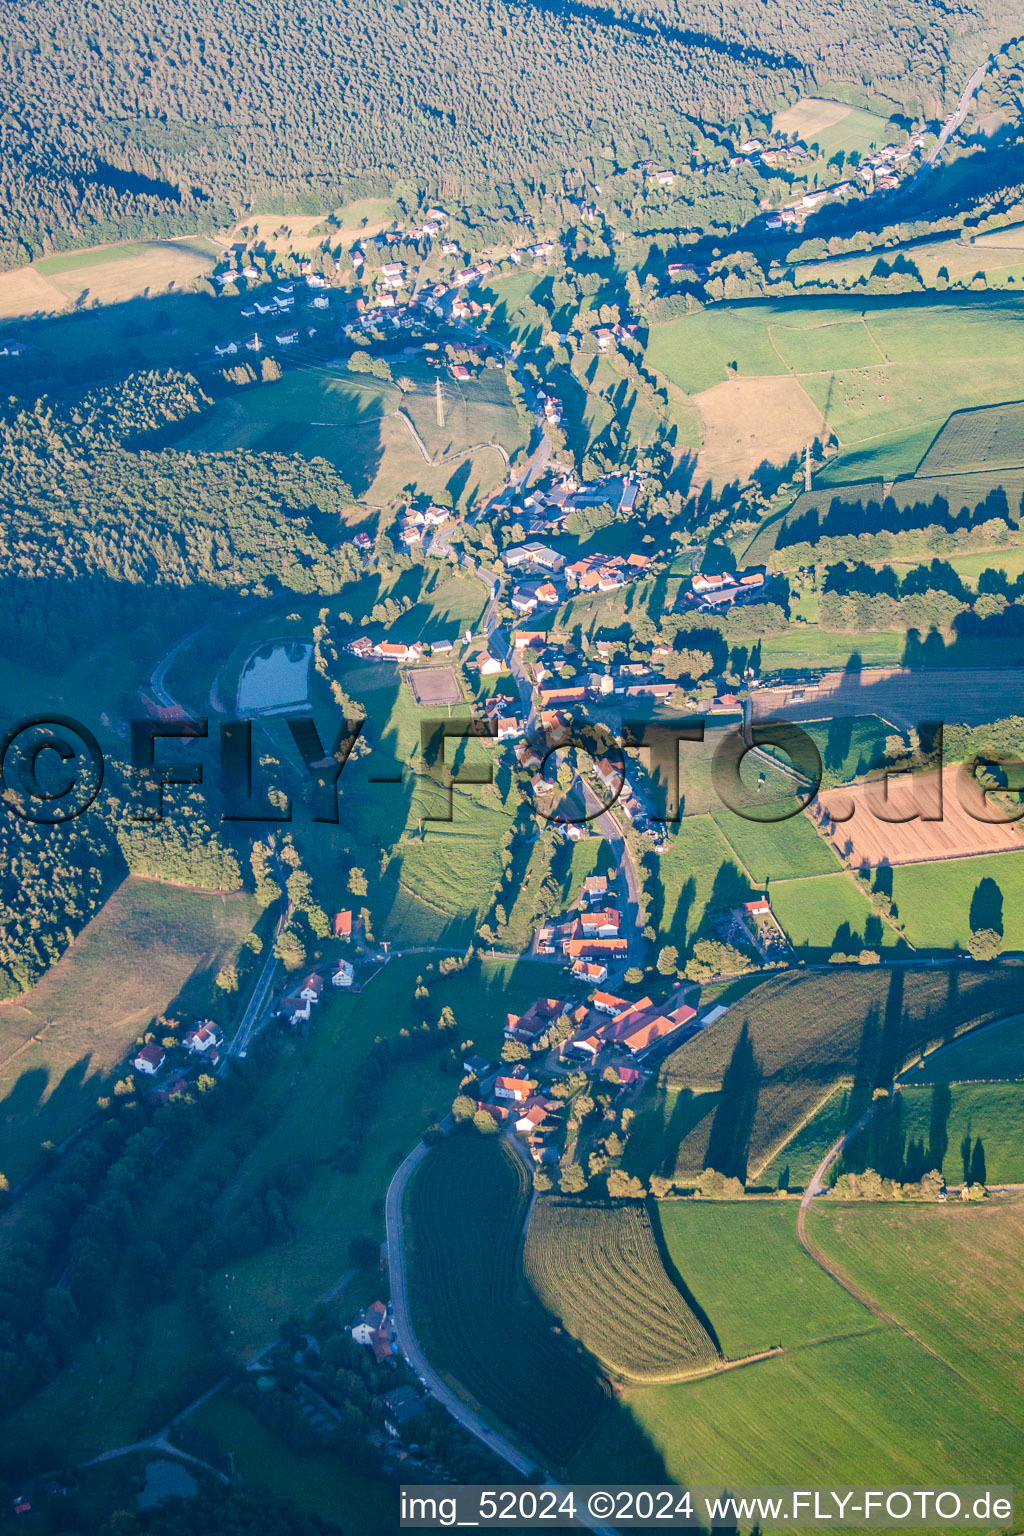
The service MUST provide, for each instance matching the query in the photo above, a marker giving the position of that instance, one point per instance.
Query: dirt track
(964, 695)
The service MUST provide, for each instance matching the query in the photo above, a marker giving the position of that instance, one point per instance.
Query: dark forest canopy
(125, 117)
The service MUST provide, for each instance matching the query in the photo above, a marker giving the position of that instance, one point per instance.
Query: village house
(591, 971)
(399, 1407)
(149, 1059)
(595, 888)
(344, 974)
(602, 924)
(541, 556)
(203, 1039)
(517, 1089)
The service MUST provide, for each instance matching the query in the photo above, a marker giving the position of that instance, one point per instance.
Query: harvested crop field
(113, 273)
(434, 685)
(749, 420)
(597, 1268)
(27, 292)
(866, 828)
(807, 1033)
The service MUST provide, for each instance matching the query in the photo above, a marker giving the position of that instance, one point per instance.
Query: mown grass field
(992, 1111)
(151, 949)
(777, 850)
(811, 1032)
(465, 1210)
(930, 359)
(952, 1273)
(805, 1151)
(832, 126)
(352, 420)
(936, 901)
(850, 1399)
(995, 1053)
(598, 1270)
(829, 913)
(697, 870)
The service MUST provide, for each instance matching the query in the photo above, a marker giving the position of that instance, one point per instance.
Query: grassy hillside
(809, 1032)
(465, 1210)
(152, 949)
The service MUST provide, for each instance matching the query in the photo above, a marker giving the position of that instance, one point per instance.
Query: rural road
(407, 1340)
(955, 119)
(410, 1347)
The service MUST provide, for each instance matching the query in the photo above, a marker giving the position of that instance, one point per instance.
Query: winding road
(409, 1344)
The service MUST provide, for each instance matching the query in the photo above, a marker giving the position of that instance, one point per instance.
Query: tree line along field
(885, 373)
(850, 1395)
(796, 1037)
(597, 1269)
(465, 1212)
(151, 949)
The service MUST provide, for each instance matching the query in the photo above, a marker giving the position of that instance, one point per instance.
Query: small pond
(275, 677)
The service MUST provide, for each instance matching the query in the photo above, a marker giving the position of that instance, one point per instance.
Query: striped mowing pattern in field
(813, 1030)
(991, 438)
(598, 1269)
(466, 1205)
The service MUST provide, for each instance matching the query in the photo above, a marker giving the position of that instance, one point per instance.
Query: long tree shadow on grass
(729, 1140)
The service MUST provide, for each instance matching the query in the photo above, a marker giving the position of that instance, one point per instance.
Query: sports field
(434, 685)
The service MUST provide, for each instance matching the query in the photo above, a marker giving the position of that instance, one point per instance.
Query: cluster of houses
(709, 593)
(589, 939)
(628, 1028)
(557, 577)
(547, 510)
(168, 1077)
(398, 651)
(419, 522)
(296, 1005)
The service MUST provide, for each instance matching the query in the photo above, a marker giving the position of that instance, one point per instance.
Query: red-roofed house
(591, 971)
(595, 949)
(602, 924)
(342, 925)
(150, 1059)
(518, 1089)
(604, 1002)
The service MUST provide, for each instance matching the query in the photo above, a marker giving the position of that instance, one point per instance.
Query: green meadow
(941, 902)
(829, 912)
(886, 373)
(853, 1399)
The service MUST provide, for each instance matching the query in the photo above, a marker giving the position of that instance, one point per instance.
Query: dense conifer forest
(125, 118)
